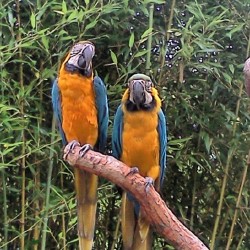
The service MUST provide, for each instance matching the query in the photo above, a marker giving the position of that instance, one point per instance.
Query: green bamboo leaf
(131, 40)
(237, 28)
(73, 15)
(227, 77)
(154, 1)
(141, 53)
(113, 57)
(64, 7)
(45, 42)
(33, 20)
(207, 141)
(146, 33)
(231, 67)
(91, 25)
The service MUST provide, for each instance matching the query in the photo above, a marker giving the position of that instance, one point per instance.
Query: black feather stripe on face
(131, 107)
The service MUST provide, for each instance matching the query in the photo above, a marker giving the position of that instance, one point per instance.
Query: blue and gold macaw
(139, 140)
(80, 106)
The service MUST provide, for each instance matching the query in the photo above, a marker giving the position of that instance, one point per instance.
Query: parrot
(139, 139)
(80, 106)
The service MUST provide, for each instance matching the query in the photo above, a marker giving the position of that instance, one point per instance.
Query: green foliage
(197, 67)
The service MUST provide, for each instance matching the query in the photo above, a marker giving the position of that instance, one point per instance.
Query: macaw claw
(133, 170)
(69, 147)
(149, 182)
(84, 149)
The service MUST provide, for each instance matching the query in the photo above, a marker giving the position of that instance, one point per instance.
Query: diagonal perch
(159, 216)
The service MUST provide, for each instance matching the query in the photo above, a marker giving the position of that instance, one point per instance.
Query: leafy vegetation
(197, 53)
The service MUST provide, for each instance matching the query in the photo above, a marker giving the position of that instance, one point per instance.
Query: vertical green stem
(115, 236)
(239, 247)
(170, 21)
(149, 43)
(229, 240)
(226, 171)
(21, 104)
(244, 175)
(5, 214)
(63, 215)
(193, 199)
(5, 218)
(48, 187)
(37, 175)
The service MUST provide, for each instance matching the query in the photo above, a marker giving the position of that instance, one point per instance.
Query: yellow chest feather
(78, 108)
(141, 141)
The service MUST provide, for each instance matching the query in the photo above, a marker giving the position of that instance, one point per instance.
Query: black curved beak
(138, 93)
(85, 57)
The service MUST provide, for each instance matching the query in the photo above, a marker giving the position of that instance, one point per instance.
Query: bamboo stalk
(224, 223)
(193, 199)
(63, 215)
(5, 214)
(21, 105)
(242, 236)
(226, 171)
(115, 236)
(170, 21)
(243, 179)
(48, 187)
(149, 42)
(5, 211)
(230, 236)
(36, 231)
(37, 177)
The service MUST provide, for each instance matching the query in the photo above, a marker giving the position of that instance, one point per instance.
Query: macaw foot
(69, 147)
(133, 170)
(149, 182)
(84, 149)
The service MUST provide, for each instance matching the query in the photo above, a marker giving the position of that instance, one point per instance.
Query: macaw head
(80, 58)
(140, 90)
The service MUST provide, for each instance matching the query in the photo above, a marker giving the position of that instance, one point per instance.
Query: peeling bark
(163, 221)
(247, 75)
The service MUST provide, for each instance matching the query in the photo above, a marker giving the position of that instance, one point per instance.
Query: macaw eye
(81, 62)
(148, 86)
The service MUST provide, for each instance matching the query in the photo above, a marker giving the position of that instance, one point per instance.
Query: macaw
(139, 139)
(80, 106)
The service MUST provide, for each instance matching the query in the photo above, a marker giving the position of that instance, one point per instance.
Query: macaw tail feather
(128, 222)
(86, 196)
(143, 235)
(136, 232)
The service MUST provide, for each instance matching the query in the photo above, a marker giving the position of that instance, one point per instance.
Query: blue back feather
(162, 131)
(102, 113)
(56, 102)
(117, 133)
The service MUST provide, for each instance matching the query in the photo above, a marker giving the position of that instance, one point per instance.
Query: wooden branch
(159, 216)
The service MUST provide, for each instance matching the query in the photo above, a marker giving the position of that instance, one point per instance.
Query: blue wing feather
(102, 113)
(117, 147)
(56, 102)
(117, 133)
(162, 131)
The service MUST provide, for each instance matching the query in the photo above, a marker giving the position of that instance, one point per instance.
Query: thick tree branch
(159, 216)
